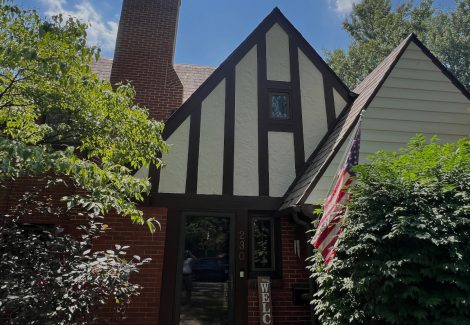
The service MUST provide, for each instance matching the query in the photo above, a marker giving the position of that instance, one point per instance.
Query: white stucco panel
(245, 171)
(340, 103)
(313, 104)
(143, 172)
(281, 162)
(173, 174)
(277, 54)
(211, 142)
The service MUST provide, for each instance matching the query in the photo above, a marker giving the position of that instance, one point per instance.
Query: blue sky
(209, 30)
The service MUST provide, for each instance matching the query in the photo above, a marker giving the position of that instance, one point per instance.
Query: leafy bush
(51, 277)
(404, 255)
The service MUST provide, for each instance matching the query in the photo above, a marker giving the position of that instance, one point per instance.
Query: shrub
(404, 254)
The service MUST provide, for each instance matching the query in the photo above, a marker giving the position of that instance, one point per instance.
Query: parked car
(211, 269)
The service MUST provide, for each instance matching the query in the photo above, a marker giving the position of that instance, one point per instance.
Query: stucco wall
(173, 175)
(245, 171)
(277, 54)
(211, 142)
(281, 162)
(313, 104)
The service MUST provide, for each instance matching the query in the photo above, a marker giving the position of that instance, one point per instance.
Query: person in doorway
(189, 259)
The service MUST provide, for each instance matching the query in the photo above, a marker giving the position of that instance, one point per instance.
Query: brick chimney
(144, 54)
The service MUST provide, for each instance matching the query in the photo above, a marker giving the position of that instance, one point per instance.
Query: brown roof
(102, 68)
(191, 76)
(320, 159)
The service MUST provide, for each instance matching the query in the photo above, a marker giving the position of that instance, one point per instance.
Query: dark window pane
(263, 257)
(205, 295)
(280, 106)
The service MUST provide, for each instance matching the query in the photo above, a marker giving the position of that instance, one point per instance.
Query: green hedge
(404, 255)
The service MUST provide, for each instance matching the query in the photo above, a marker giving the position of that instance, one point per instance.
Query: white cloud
(342, 7)
(100, 32)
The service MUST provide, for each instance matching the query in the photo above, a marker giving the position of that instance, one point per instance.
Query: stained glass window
(263, 244)
(279, 106)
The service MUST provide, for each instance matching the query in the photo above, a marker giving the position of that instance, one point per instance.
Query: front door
(204, 280)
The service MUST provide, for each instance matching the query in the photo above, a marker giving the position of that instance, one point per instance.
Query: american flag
(329, 228)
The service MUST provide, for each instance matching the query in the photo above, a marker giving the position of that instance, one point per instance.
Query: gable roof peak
(320, 159)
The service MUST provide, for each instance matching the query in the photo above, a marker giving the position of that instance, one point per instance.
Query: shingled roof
(191, 76)
(320, 159)
(102, 68)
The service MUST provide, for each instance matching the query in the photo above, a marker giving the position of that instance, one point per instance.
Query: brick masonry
(144, 54)
(144, 309)
(293, 272)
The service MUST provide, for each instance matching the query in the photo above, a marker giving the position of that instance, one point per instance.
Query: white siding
(416, 98)
(313, 104)
(245, 172)
(277, 54)
(211, 142)
(281, 162)
(173, 175)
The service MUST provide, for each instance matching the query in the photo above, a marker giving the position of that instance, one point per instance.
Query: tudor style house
(255, 145)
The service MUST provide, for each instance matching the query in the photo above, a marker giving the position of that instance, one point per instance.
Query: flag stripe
(330, 227)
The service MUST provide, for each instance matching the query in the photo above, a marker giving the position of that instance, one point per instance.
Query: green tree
(63, 126)
(376, 29)
(404, 254)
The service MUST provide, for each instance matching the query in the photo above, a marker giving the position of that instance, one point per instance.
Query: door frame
(179, 265)
(174, 247)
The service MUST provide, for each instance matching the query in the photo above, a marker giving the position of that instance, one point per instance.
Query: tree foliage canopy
(65, 130)
(58, 117)
(376, 28)
(404, 254)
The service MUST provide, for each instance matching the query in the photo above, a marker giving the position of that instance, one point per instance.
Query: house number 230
(241, 245)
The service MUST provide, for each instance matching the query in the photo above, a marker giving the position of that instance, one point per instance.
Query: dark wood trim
(254, 38)
(296, 104)
(257, 37)
(170, 264)
(329, 105)
(154, 174)
(215, 202)
(263, 152)
(193, 151)
(219, 74)
(278, 85)
(280, 126)
(241, 265)
(441, 67)
(229, 134)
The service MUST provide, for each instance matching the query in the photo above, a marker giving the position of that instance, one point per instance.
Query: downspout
(307, 211)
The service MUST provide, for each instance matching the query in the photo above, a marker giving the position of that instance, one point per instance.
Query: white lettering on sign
(265, 306)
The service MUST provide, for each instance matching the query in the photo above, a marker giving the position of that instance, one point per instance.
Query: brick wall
(144, 54)
(144, 309)
(293, 271)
